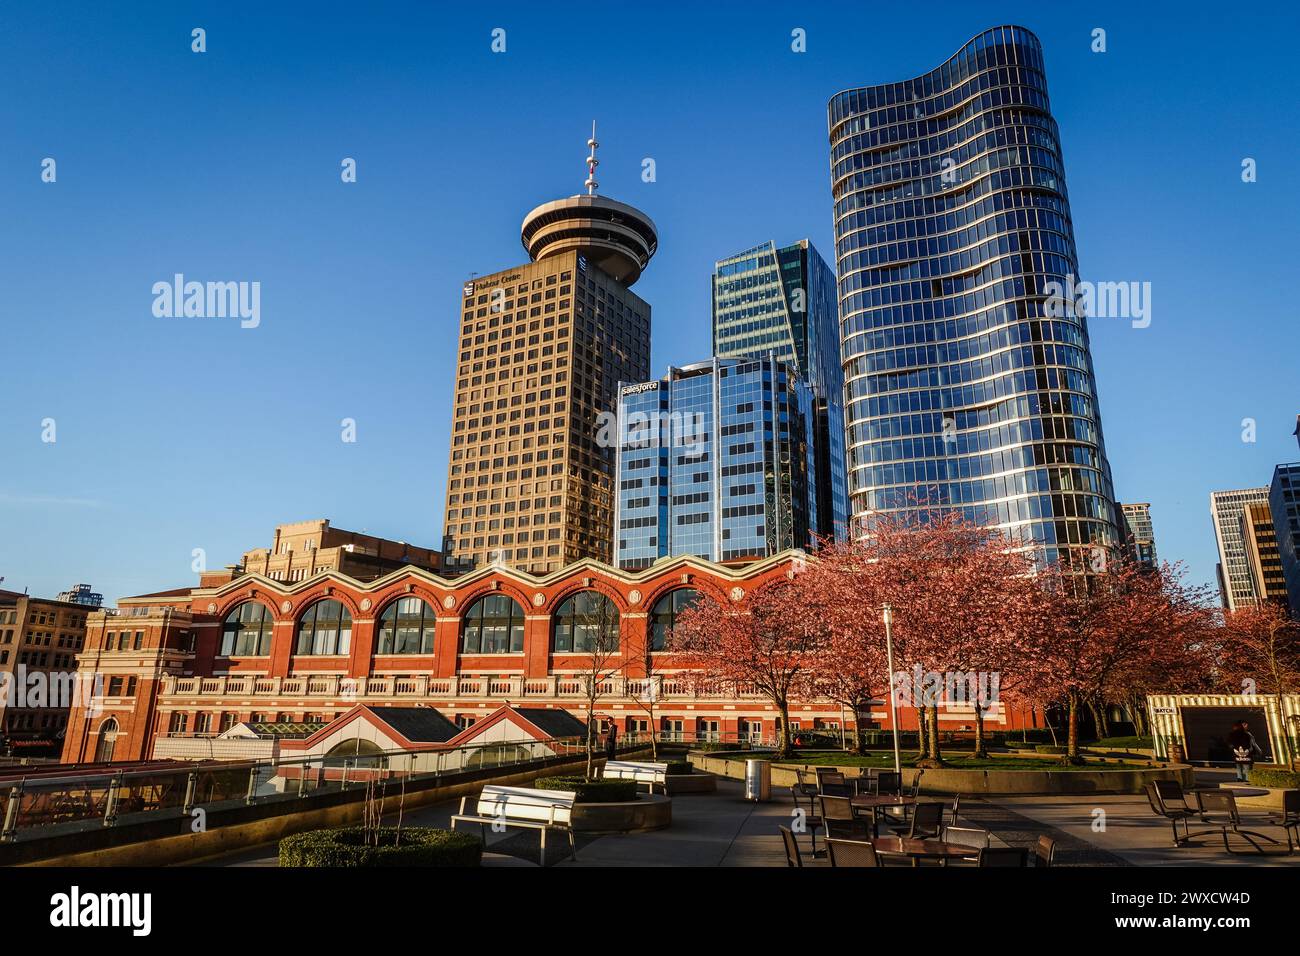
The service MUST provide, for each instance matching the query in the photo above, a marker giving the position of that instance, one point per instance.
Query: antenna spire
(592, 163)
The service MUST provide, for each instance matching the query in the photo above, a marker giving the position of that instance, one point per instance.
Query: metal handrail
(74, 799)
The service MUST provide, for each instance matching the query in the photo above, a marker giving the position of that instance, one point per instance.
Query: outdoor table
(878, 802)
(922, 849)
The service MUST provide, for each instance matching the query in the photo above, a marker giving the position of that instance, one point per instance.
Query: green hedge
(591, 791)
(1050, 749)
(709, 746)
(1284, 779)
(678, 767)
(347, 847)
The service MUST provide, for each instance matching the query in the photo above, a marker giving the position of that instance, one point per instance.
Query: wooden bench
(640, 771)
(542, 810)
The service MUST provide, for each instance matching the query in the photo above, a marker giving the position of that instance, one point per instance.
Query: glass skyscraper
(782, 301)
(951, 220)
(716, 461)
(1284, 505)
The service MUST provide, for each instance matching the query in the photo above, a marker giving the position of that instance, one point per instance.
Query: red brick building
(246, 648)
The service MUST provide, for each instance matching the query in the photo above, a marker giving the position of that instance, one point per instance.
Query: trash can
(758, 780)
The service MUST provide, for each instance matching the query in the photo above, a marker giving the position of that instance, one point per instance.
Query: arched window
(247, 631)
(665, 612)
(493, 625)
(586, 622)
(406, 627)
(356, 752)
(107, 741)
(325, 629)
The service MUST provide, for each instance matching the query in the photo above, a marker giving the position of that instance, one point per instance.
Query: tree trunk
(1096, 718)
(591, 737)
(980, 750)
(920, 733)
(1104, 711)
(859, 739)
(783, 747)
(1072, 737)
(933, 754)
(1138, 713)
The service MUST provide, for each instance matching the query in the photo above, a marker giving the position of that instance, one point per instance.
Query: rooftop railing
(54, 805)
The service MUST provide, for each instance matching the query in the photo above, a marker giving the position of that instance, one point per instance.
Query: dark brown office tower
(543, 347)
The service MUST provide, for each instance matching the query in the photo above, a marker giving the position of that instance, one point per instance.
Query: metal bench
(651, 774)
(542, 810)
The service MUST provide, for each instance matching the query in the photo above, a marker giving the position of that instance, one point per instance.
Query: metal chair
(1171, 813)
(811, 820)
(792, 857)
(1289, 818)
(841, 821)
(851, 853)
(975, 839)
(833, 783)
(925, 824)
(1044, 851)
(889, 781)
(915, 790)
(1172, 795)
(1003, 856)
(1219, 810)
(952, 813)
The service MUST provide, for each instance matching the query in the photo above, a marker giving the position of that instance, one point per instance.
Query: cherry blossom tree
(961, 593)
(1095, 629)
(767, 642)
(1261, 654)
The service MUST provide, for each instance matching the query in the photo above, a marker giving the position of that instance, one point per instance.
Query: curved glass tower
(951, 217)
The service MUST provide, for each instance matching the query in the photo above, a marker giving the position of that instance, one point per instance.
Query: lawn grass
(884, 760)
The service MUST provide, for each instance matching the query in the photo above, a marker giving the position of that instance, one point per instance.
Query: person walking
(1244, 748)
(611, 742)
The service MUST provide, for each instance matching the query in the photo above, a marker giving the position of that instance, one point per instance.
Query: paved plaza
(723, 829)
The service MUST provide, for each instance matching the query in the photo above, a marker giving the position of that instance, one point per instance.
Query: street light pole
(893, 706)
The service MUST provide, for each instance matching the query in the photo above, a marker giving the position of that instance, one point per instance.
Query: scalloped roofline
(726, 572)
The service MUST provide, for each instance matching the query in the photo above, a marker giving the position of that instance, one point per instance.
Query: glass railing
(49, 805)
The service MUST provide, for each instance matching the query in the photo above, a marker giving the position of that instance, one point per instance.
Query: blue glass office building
(782, 301)
(1284, 504)
(715, 460)
(951, 219)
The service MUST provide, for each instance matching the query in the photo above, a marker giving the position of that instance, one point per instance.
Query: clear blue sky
(175, 434)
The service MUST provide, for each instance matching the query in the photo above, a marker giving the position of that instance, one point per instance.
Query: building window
(178, 723)
(326, 629)
(107, 741)
(665, 612)
(247, 631)
(586, 622)
(406, 627)
(493, 625)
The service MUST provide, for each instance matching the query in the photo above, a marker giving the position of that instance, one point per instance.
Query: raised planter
(987, 782)
(649, 811)
(698, 782)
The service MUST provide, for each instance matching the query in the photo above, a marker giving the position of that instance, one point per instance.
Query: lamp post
(888, 613)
